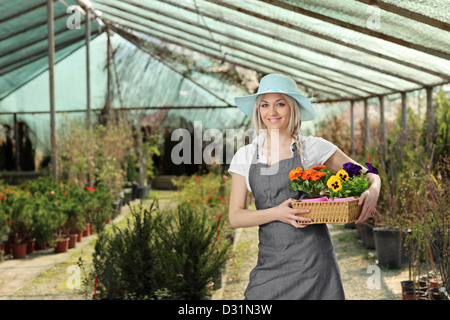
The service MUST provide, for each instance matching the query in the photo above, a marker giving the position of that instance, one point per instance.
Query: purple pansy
(371, 169)
(352, 169)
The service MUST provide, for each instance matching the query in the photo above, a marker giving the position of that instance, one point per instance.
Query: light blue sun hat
(279, 84)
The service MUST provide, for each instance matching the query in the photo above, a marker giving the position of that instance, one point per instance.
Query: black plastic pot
(391, 252)
(367, 237)
(143, 192)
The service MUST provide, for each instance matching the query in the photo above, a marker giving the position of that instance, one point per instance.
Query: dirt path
(356, 265)
(43, 275)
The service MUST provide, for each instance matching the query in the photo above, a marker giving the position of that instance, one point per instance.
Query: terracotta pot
(436, 294)
(407, 285)
(62, 245)
(409, 295)
(87, 231)
(73, 240)
(30, 246)
(7, 245)
(79, 235)
(19, 250)
(40, 246)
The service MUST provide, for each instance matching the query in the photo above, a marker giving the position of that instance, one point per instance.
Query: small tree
(191, 252)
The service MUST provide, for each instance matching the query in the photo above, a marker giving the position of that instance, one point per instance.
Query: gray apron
(293, 264)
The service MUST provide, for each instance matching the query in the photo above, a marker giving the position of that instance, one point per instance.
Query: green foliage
(160, 255)
(47, 219)
(125, 261)
(97, 204)
(19, 210)
(191, 253)
(209, 192)
(353, 187)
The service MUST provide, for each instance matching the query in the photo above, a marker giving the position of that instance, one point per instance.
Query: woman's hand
(368, 200)
(287, 215)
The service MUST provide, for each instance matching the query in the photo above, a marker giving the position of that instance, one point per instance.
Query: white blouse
(316, 152)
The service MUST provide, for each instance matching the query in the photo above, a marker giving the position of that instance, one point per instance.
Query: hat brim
(247, 103)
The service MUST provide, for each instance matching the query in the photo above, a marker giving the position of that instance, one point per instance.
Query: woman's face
(275, 111)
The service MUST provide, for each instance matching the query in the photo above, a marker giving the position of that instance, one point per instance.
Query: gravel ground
(354, 261)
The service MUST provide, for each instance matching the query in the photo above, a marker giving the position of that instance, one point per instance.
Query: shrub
(160, 255)
(191, 252)
(125, 261)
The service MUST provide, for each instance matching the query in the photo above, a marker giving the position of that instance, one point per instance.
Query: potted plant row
(41, 213)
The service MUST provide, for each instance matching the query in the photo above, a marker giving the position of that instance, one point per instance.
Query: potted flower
(18, 207)
(44, 220)
(311, 182)
(75, 221)
(342, 188)
(350, 181)
(348, 184)
(4, 229)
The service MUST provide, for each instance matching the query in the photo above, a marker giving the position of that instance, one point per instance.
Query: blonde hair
(293, 126)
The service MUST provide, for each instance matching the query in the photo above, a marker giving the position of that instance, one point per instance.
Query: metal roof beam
(352, 76)
(408, 14)
(37, 55)
(331, 39)
(367, 31)
(263, 33)
(245, 64)
(234, 47)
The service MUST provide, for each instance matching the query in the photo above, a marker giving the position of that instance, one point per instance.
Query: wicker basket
(335, 212)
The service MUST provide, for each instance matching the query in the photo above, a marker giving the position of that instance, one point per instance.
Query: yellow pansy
(343, 175)
(334, 183)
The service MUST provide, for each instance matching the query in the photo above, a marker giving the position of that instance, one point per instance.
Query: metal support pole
(88, 73)
(366, 125)
(108, 68)
(16, 144)
(352, 119)
(51, 73)
(404, 118)
(430, 120)
(382, 128)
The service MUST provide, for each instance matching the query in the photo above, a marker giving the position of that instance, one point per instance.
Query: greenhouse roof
(335, 50)
(24, 43)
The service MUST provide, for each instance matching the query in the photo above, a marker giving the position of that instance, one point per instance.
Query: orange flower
(307, 174)
(317, 175)
(319, 167)
(295, 173)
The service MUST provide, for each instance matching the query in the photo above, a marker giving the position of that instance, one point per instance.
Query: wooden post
(16, 144)
(88, 73)
(51, 73)
(352, 119)
(366, 125)
(430, 120)
(108, 79)
(382, 128)
(404, 118)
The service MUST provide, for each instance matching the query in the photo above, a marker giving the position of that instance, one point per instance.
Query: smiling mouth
(274, 120)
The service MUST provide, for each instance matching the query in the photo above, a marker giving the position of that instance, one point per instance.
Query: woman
(294, 261)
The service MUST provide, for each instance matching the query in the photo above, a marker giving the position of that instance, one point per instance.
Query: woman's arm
(369, 198)
(242, 218)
